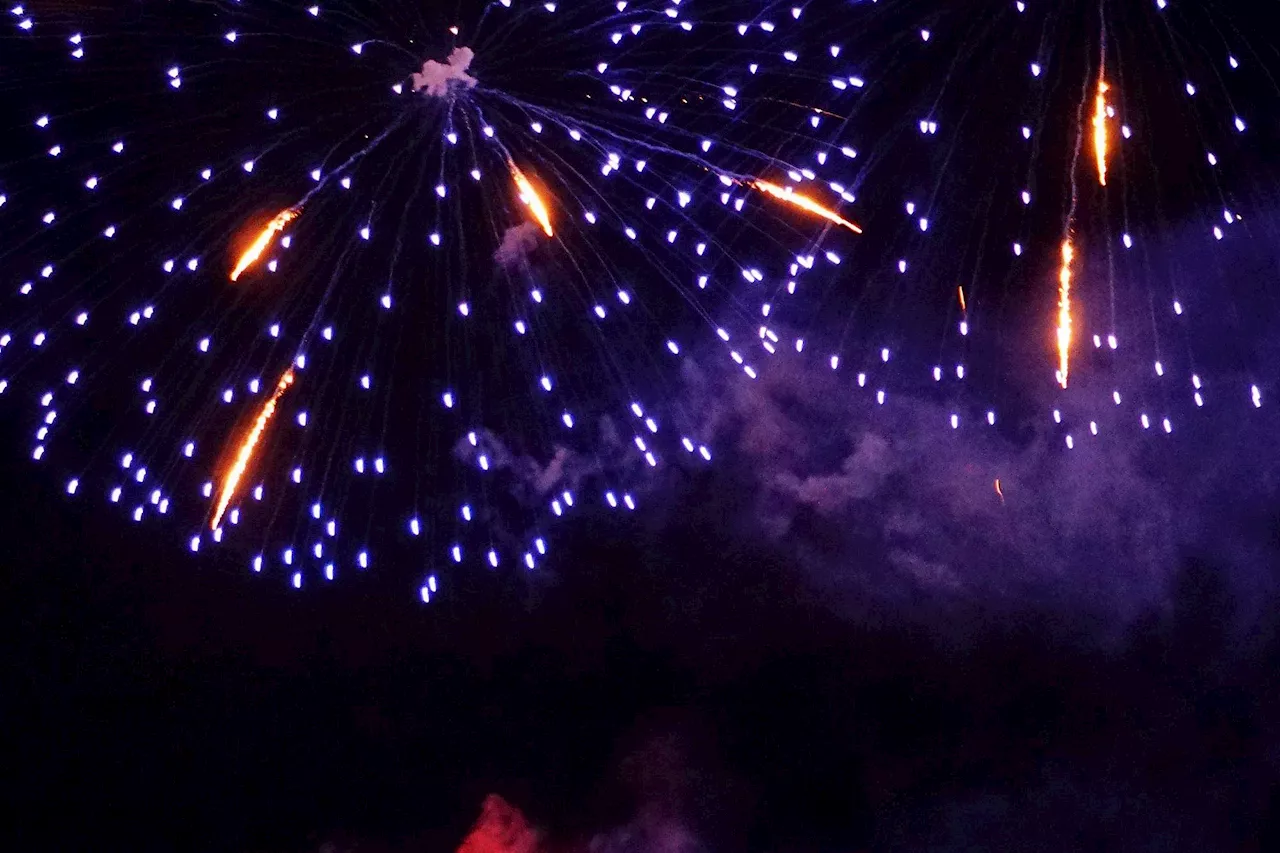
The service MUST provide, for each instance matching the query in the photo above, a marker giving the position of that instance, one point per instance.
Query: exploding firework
(473, 250)
(1087, 172)
(480, 246)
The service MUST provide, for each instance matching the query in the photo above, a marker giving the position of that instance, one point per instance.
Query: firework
(1101, 149)
(468, 379)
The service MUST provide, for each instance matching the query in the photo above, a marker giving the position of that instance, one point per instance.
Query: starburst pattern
(471, 249)
(1060, 200)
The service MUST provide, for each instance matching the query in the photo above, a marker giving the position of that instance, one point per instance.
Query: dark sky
(683, 667)
(156, 702)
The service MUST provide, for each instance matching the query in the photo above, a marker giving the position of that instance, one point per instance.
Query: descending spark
(254, 252)
(963, 307)
(1068, 250)
(245, 454)
(999, 490)
(530, 197)
(795, 199)
(1100, 131)
(1064, 311)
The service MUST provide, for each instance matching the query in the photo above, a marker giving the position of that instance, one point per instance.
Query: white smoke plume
(437, 79)
(517, 243)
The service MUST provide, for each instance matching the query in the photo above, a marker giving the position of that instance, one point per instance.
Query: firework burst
(473, 248)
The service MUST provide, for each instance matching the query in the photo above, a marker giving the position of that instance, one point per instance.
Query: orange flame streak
(254, 252)
(963, 307)
(804, 202)
(999, 490)
(1064, 312)
(245, 454)
(1100, 131)
(530, 197)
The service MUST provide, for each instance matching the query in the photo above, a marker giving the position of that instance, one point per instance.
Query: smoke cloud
(886, 509)
(517, 243)
(438, 79)
(892, 509)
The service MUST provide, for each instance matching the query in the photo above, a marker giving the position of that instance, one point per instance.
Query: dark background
(156, 701)
(151, 699)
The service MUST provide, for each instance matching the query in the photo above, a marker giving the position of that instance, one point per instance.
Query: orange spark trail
(1064, 311)
(530, 196)
(245, 453)
(254, 252)
(1100, 131)
(960, 290)
(999, 490)
(803, 202)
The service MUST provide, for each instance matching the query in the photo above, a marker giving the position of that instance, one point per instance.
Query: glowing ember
(245, 454)
(1100, 131)
(1064, 312)
(795, 199)
(530, 197)
(254, 252)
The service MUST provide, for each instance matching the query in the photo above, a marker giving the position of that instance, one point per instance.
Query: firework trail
(260, 244)
(532, 198)
(1100, 136)
(244, 455)
(1064, 312)
(789, 196)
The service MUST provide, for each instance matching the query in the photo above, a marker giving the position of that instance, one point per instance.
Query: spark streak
(530, 197)
(1100, 131)
(245, 454)
(804, 202)
(254, 252)
(1064, 311)
(963, 307)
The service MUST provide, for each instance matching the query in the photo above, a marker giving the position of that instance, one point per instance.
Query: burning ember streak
(245, 454)
(1064, 312)
(1100, 131)
(795, 199)
(530, 197)
(254, 252)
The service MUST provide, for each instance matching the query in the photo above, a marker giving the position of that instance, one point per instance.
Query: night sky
(838, 637)
(667, 674)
